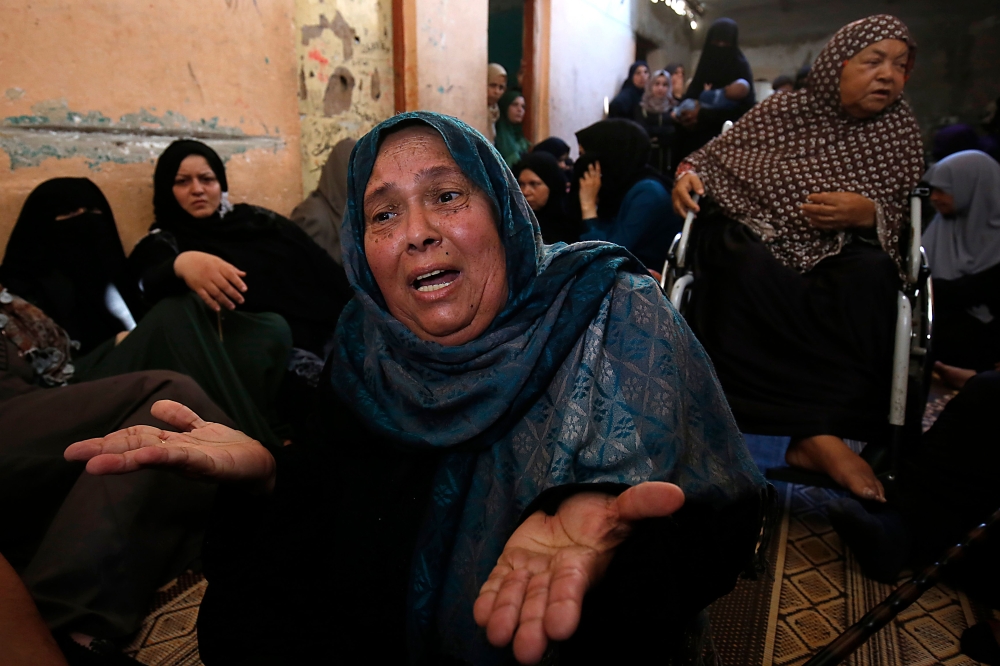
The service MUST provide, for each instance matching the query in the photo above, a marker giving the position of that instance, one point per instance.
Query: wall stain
(339, 91)
(194, 78)
(316, 55)
(340, 27)
(303, 91)
(14, 94)
(376, 87)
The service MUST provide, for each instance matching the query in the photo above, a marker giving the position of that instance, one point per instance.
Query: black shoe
(980, 643)
(100, 653)
(877, 537)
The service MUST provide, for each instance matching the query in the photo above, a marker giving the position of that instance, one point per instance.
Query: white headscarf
(969, 242)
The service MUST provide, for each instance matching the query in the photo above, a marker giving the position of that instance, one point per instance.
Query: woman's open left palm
(202, 450)
(535, 592)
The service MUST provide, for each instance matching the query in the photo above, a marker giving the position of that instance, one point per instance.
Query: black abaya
(65, 266)
(967, 320)
(288, 585)
(798, 354)
(286, 271)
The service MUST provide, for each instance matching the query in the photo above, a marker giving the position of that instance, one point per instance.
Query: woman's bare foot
(952, 376)
(830, 455)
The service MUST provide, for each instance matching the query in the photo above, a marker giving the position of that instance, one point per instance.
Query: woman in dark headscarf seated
(545, 189)
(558, 149)
(234, 255)
(626, 102)
(721, 65)
(322, 211)
(623, 200)
(963, 249)
(509, 425)
(65, 256)
(797, 253)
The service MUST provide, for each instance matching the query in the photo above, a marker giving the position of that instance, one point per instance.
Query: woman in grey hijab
(963, 248)
(322, 211)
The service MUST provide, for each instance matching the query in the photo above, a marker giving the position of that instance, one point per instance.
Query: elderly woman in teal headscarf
(510, 140)
(522, 445)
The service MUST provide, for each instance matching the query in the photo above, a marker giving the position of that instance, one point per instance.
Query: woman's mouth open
(434, 280)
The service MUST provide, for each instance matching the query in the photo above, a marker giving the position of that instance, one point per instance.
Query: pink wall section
(97, 88)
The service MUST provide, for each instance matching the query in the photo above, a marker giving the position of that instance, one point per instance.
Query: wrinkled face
(515, 112)
(431, 240)
(640, 76)
(660, 87)
(535, 191)
(196, 188)
(495, 89)
(873, 79)
(677, 82)
(943, 202)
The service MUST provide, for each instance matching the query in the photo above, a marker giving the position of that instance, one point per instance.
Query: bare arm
(24, 638)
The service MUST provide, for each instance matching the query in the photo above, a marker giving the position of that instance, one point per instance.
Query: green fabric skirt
(238, 358)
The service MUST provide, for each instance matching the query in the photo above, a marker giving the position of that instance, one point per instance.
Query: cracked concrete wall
(98, 88)
(344, 74)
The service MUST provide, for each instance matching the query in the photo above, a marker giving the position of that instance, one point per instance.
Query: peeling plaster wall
(592, 46)
(98, 88)
(345, 75)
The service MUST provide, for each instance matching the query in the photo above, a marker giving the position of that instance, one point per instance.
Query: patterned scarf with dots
(795, 144)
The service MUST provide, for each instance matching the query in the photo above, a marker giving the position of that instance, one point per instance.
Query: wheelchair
(911, 367)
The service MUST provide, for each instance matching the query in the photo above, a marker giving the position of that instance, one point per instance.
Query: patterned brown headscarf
(795, 144)
(38, 339)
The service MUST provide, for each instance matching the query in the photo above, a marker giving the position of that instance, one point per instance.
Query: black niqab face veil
(63, 254)
(721, 61)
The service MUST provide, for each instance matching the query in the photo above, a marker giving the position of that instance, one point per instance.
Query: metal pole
(884, 612)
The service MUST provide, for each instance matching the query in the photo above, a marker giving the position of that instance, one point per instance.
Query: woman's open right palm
(202, 450)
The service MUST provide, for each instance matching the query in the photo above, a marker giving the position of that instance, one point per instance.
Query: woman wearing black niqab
(65, 256)
(286, 272)
(720, 64)
(626, 102)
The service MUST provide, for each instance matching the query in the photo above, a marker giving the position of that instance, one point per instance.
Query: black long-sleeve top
(321, 569)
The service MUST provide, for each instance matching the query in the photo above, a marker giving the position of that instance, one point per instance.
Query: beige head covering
(495, 71)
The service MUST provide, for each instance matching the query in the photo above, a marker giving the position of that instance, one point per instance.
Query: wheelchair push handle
(686, 234)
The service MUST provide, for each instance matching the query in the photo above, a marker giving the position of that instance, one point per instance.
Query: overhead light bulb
(694, 25)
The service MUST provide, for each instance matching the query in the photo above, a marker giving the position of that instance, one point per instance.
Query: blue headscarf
(586, 375)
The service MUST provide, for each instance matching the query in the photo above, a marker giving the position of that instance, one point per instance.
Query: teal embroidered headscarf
(587, 375)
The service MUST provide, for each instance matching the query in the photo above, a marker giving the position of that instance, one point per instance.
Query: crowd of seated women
(420, 422)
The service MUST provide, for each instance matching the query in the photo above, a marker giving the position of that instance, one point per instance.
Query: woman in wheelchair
(796, 251)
